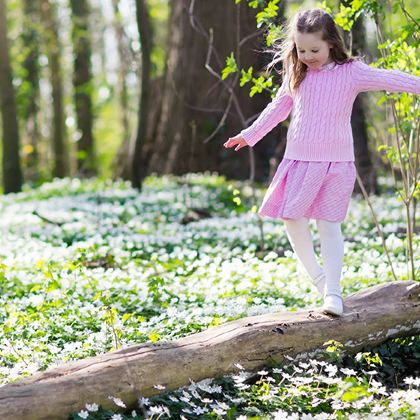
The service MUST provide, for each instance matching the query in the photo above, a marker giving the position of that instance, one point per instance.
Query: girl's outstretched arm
(366, 78)
(275, 112)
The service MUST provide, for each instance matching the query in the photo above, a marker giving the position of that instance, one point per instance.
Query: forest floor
(90, 266)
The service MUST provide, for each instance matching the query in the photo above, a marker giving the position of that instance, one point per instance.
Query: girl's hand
(237, 141)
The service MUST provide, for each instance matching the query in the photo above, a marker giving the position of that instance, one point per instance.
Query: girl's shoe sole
(331, 312)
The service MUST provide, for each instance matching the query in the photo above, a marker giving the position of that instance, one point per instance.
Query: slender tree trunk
(53, 50)
(12, 174)
(124, 157)
(267, 154)
(30, 37)
(363, 158)
(371, 317)
(145, 34)
(82, 82)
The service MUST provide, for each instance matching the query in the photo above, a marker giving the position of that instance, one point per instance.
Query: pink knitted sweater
(320, 126)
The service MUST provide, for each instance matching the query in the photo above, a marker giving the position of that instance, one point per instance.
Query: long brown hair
(284, 47)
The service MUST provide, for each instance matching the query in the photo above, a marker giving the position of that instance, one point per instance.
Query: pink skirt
(312, 189)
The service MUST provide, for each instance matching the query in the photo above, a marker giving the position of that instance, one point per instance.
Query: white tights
(332, 250)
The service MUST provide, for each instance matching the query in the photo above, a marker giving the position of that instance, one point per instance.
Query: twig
(46, 219)
(365, 195)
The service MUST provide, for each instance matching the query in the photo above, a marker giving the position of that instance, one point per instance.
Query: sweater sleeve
(275, 112)
(366, 78)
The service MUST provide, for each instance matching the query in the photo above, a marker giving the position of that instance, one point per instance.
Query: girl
(316, 177)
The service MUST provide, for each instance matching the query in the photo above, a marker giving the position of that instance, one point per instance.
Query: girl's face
(312, 50)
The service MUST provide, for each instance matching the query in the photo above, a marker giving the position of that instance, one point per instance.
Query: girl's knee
(303, 221)
(328, 228)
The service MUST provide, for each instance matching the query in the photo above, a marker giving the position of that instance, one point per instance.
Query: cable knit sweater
(320, 128)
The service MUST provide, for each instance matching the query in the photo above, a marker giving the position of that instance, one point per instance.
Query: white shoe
(319, 283)
(333, 304)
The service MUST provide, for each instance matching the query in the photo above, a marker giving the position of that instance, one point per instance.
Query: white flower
(158, 386)
(379, 390)
(222, 405)
(186, 394)
(117, 401)
(348, 372)
(331, 369)
(199, 410)
(186, 410)
(375, 384)
(377, 409)
(241, 377)
(283, 415)
(92, 407)
(218, 411)
(133, 413)
(155, 409)
(83, 414)
(117, 417)
(371, 372)
(409, 380)
(195, 394)
(304, 365)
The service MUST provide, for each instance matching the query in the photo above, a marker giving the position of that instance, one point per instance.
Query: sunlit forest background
(124, 220)
(102, 87)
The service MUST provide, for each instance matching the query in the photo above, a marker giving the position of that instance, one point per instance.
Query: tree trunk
(53, 49)
(193, 100)
(30, 40)
(121, 166)
(145, 36)
(371, 317)
(274, 158)
(82, 81)
(12, 174)
(362, 153)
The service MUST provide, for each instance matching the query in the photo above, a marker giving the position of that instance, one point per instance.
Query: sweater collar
(328, 66)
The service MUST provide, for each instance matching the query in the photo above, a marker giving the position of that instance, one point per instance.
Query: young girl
(316, 177)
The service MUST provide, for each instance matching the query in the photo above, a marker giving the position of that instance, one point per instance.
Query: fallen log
(370, 317)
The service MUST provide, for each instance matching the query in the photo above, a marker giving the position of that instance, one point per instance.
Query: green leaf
(231, 66)
(153, 337)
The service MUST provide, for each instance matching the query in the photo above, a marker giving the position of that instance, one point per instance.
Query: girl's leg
(332, 251)
(300, 238)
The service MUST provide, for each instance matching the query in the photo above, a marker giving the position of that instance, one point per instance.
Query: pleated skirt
(312, 189)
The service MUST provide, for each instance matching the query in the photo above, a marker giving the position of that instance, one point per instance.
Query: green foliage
(261, 83)
(246, 76)
(265, 17)
(231, 66)
(268, 13)
(348, 14)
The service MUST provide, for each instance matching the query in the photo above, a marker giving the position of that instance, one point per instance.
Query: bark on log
(371, 317)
